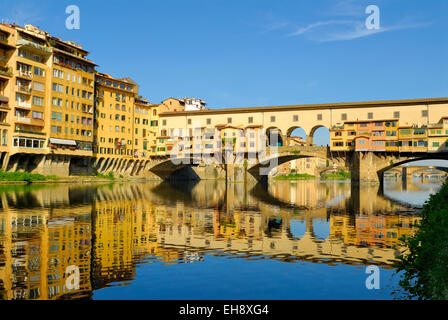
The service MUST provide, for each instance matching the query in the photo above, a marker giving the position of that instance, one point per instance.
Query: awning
(63, 142)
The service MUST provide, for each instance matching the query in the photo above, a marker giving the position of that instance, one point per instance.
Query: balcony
(23, 89)
(4, 44)
(33, 46)
(4, 102)
(30, 132)
(30, 121)
(25, 74)
(24, 105)
(23, 120)
(5, 72)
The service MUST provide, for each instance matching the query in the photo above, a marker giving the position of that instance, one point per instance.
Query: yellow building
(7, 85)
(438, 136)
(72, 99)
(144, 137)
(36, 267)
(115, 121)
(32, 92)
(405, 138)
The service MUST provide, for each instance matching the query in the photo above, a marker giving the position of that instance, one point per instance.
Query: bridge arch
(261, 169)
(391, 166)
(295, 131)
(319, 130)
(274, 137)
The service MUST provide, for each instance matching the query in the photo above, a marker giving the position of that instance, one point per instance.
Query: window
(56, 116)
(38, 115)
(38, 101)
(56, 129)
(319, 117)
(189, 121)
(39, 72)
(397, 114)
(405, 131)
(295, 118)
(425, 113)
(250, 120)
(28, 143)
(272, 119)
(58, 74)
(38, 86)
(344, 117)
(57, 102)
(229, 120)
(57, 87)
(436, 144)
(209, 121)
(370, 115)
(419, 131)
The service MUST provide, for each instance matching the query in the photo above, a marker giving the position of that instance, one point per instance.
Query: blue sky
(256, 52)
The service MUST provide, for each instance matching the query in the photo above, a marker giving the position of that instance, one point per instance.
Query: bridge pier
(365, 167)
(404, 178)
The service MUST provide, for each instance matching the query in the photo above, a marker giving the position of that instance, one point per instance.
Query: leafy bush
(109, 176)
(425, 261)
(24, 176)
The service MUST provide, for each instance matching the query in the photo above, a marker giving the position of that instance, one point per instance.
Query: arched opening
(274, 137)
(296, 136)
(435, 169)
(319, 136)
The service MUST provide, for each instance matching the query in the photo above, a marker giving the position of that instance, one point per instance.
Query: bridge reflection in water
(108, 230)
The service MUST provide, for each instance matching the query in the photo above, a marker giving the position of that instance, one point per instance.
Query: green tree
(424, 263)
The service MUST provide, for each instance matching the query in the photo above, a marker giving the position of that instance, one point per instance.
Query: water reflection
(108, 230)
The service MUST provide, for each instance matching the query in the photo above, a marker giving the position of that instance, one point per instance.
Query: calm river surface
(296, 240)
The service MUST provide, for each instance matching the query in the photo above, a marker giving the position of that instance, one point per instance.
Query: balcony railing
(25, 73)
(22, 104)
(24, 89)
(23, 42)
(23, 119)
(30, 132)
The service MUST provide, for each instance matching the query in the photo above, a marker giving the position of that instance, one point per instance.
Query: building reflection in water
(106, 231)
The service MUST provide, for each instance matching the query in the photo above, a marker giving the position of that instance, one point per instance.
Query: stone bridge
(412, 170)
(363, 166)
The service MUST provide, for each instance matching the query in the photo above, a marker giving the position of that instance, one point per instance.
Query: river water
(204, 240)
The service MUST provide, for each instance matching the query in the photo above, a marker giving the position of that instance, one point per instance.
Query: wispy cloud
(315, 25)
(339, 30)
(336, 28)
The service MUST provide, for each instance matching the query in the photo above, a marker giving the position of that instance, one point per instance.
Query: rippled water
(209, 240)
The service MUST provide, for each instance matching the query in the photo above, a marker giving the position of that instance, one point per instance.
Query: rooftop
(327, 106)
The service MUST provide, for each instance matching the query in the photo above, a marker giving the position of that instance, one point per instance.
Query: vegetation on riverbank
(109, 176)
(424, 263)
(25, 177)
(295, 176)
(340, 175)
